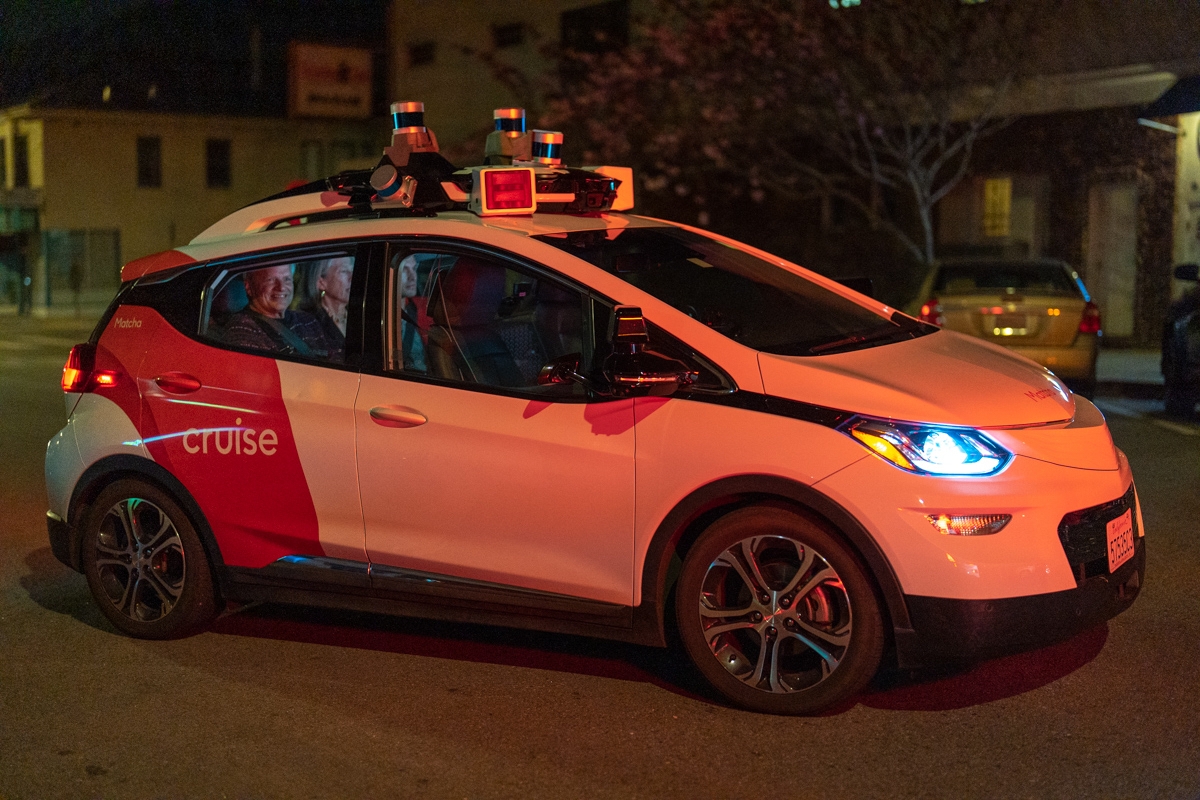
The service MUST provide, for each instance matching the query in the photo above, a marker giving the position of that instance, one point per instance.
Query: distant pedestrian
(76, 281)
(25, 282)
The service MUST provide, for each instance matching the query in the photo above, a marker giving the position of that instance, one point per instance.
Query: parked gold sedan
(1036, 307)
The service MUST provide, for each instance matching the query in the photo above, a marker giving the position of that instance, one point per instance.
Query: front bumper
(946, 630)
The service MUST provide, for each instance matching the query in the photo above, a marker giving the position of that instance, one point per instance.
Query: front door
(468, 467)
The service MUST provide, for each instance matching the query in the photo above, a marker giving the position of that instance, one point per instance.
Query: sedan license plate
(1120, 540)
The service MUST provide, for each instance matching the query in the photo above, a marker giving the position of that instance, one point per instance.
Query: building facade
(83, 191)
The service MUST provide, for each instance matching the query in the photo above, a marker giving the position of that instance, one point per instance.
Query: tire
(145, 564)
(804, 631)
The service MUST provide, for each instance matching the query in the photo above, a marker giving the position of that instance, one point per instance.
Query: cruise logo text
(236, 441)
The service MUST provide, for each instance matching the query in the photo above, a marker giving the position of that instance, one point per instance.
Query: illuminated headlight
(929, 449)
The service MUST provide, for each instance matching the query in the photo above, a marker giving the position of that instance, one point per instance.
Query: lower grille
(1084, 535)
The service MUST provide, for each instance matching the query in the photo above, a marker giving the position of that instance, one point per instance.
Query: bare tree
(796, 98)
(906, 89)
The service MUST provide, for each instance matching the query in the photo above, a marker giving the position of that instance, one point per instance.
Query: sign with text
(328, 81)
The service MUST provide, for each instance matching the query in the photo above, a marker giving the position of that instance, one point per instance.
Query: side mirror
(564, 369)
(633, 369)
(646, 372)
(1187, 272)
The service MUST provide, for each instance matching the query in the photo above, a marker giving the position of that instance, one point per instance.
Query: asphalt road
(277, 702)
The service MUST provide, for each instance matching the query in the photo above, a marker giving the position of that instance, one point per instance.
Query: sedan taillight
(80, 373)
(931, 312)
(1090, 322)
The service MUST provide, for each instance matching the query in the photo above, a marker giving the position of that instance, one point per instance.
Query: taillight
(1090, 322)
(80, 373)
(931, 312)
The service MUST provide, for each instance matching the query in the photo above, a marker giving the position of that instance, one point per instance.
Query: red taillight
(931, 312)
(1090, 323)
(80, 373)
(508, 189)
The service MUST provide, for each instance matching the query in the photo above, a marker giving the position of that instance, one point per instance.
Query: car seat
(558, 319)
(463, 342)
(230, 300)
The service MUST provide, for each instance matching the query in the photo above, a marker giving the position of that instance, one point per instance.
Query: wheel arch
(118, 467)
(692, 515)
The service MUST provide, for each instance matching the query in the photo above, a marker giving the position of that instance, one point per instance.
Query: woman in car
(333, 293)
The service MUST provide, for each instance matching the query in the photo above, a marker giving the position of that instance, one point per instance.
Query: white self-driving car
(488, 395)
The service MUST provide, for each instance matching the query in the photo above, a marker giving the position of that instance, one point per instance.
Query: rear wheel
(777, 613)
(145, 564)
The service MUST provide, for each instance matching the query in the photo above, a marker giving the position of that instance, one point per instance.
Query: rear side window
(283, 308)
(992, 276)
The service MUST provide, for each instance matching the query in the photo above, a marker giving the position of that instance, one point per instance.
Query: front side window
(470, 319)
(288, 308)
(749, 300)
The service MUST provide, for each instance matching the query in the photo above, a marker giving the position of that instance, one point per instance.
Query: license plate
(1120, 540)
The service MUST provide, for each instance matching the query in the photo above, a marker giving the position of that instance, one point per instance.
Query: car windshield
(1031, 277)
(750, 300)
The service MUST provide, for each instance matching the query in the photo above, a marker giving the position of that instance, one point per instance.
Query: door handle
(397, 417)
(177, 383)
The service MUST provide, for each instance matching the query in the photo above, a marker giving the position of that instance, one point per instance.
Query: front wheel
(145, 564)
(777, 613)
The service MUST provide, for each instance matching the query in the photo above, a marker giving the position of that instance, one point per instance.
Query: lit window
(997, 207)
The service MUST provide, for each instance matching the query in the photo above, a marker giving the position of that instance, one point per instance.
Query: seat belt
(283, 336)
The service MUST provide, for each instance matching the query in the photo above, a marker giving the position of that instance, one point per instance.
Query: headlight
(929, 449)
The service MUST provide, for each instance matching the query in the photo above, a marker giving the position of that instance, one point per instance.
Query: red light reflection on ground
(988, 681)
(891, 691)
(470, 643)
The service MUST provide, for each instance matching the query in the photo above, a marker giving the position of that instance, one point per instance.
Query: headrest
(468, 294)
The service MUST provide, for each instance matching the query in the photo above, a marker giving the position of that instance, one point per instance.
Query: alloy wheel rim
(775, 614)
(140, 560)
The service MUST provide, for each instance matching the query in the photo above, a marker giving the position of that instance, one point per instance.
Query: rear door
(255, 416)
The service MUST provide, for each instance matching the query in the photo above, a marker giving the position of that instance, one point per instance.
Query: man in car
(267, 322)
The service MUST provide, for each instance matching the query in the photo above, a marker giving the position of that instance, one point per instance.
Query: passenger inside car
(332, 278)
(414, 317)
(497, 326)
(268, 323)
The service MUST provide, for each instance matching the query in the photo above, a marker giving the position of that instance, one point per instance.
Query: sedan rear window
(750, 300)
(991, 276)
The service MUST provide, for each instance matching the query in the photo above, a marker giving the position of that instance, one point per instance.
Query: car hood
(943, 377)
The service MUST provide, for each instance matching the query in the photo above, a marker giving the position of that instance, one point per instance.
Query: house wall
(460, 90)
(1065, 161)
(1187, 196)
(91, 214)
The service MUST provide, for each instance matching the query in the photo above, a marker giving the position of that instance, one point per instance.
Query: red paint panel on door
(230, 443)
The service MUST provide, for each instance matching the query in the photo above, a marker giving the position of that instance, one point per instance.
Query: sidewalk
(1129, 373)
